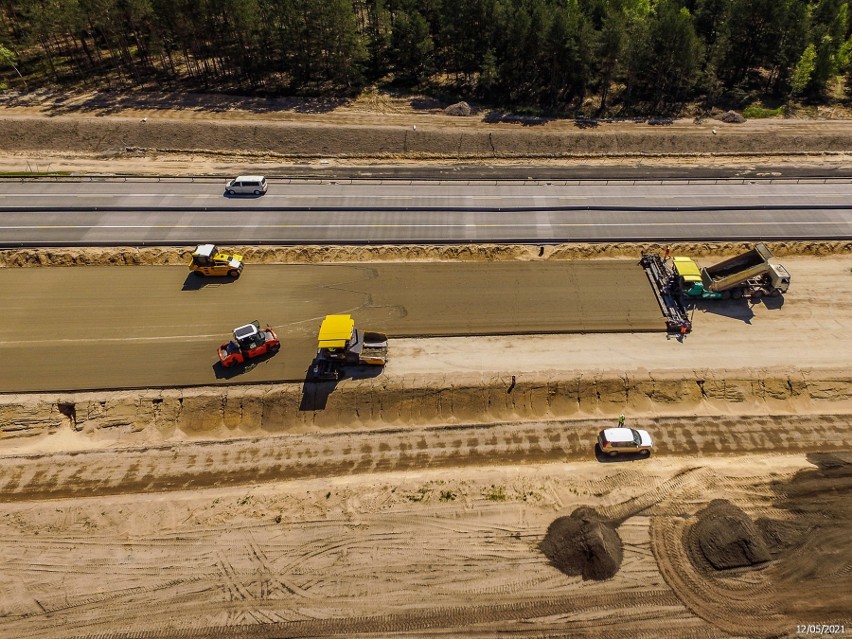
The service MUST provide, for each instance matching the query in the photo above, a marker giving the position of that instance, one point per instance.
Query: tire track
(248, 461)
(453, 618)
(739, 608)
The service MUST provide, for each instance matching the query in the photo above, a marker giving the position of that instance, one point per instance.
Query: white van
(247, 184)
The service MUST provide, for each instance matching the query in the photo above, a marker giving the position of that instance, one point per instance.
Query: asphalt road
(42, 213)
(78, 328)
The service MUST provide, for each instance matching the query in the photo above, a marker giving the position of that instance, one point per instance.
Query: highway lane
(89, 327)
(181, 212)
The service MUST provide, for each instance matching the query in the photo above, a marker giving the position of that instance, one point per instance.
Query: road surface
(159, 326)
(42, 213)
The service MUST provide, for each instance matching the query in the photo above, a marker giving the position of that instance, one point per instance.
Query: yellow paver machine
(340, 344)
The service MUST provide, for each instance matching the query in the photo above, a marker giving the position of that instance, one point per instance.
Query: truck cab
(779, 278)
(208, 260)
(689, 277)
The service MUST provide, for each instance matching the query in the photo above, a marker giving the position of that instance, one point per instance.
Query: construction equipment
(674, 279)
(666, 287)
(208, 260)
(750, 274)
(340, 344)
(250, 341)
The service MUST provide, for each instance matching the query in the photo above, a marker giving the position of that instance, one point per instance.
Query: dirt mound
(169, 256)
(731, 117)
(458, 109)
(727, 538)
(583, 544)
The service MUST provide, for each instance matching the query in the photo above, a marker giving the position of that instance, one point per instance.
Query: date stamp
(820, 629)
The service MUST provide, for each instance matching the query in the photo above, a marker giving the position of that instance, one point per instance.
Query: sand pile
(131, 256)
(726, 538)
(583, 544)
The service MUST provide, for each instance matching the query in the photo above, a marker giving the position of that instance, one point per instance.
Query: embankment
(124, 256)
(123, 418)
(116, 135)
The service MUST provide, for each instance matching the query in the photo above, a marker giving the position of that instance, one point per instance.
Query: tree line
(647, 56)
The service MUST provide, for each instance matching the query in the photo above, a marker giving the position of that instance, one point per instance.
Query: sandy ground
(444, 498)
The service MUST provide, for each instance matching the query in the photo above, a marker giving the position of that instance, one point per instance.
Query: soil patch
(583, 544)
(726, 538)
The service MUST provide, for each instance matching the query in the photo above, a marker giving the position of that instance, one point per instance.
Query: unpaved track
(244, 461)
(405, 553)
(136, 327)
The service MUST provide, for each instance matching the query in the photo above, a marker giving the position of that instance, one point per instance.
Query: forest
(592, 57)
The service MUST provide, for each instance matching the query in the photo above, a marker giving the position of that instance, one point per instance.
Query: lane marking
(403, 226)
(115, 339)
(508, 196)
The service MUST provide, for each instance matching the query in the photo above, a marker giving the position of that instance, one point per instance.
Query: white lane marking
(509, 196)
(115, 339)
(403, 226)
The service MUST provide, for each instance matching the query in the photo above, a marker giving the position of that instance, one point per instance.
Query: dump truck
(208, 260)
(750, 274)
(340, 344)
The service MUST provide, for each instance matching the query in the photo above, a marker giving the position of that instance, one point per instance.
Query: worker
(621, 421)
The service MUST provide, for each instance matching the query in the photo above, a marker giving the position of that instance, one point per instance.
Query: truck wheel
(233, 273)
(756, 295)
(775, 293)
(737, 293)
